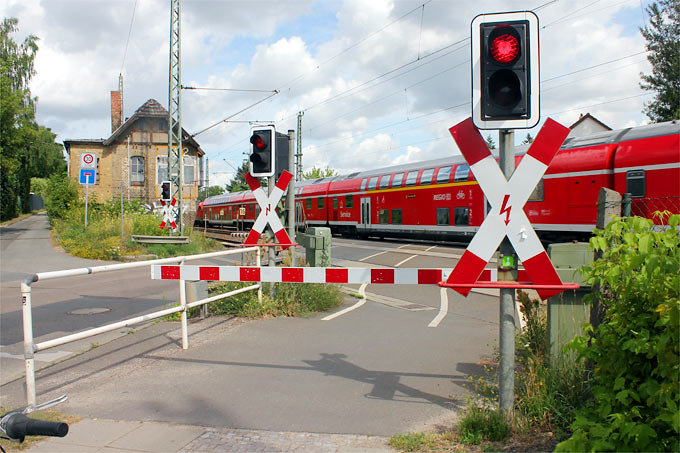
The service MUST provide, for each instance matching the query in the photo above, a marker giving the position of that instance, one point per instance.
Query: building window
(137, 170)
(349, 201)
(161, 169)
(635, 183)
(189, 168)
(396, 216)
(397, 180)
(461, 216)
(320, 203)
(426, 177)
(442, 216)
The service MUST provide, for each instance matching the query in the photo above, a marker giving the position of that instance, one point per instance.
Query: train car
(440, 199)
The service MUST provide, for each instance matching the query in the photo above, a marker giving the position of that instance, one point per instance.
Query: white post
(28, 342)
(87, 192)
(183, 313)
(259, 285)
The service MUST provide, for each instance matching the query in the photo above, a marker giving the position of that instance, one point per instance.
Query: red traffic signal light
(263, 151)
(166, 191)
(505, 90)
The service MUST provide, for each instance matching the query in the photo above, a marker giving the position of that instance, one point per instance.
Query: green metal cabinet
(317, 244)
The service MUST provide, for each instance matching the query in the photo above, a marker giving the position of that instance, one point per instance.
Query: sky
(379, 82)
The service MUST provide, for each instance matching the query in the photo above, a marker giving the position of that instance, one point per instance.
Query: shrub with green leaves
(481, 422)
(61, 196)
(635, 351)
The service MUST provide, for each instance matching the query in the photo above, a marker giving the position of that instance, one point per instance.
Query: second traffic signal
(262, 162)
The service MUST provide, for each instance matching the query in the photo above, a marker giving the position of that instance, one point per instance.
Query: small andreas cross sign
(268, 210)
(507, 199)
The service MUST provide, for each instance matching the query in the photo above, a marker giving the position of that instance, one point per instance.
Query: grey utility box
(317, 244)
(567, 312)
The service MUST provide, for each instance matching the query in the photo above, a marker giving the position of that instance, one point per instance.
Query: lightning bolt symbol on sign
(269, 208)
(506, 209)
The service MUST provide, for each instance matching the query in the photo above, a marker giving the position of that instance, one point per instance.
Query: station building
(134, 159)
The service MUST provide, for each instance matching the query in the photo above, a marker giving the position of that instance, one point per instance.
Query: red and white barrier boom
(507, 217)
(268, 210)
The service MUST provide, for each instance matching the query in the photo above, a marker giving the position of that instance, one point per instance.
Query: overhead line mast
(175, 111)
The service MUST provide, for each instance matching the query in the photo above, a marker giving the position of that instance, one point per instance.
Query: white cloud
(354, 119)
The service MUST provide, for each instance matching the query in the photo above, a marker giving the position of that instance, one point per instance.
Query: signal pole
(175, 169)
(507, 296)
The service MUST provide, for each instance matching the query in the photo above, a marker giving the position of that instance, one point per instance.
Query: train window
(335, 202)
(397, 180)
(461, 216)
(635, 183)
(363, 184)
(384, 216)
(396, 216)
(412, 178)
(308, 203)
(537, 194)
(384, 181)
(320, 203)
(372, 183)
(442, 216)
(462, 173)
(443, 175)
(348, 201)
(426, 177)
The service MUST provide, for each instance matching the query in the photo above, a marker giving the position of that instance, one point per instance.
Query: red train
(440, 199)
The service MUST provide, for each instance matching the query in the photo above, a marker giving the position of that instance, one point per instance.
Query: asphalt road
(382, 368)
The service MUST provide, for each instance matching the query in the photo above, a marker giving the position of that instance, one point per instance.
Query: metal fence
(30, 347)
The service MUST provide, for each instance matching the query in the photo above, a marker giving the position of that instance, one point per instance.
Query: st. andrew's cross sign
(507, 199)
(268, 210)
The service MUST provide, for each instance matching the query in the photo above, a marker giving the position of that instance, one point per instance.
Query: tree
(210, 192)
(490, 143)
(316, 173)
(26, 148)
(238, 182)
(663, 43)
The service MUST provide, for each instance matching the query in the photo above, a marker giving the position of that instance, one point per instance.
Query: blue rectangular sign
(87, 175)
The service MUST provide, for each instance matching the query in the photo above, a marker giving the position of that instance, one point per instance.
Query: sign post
(87, 177)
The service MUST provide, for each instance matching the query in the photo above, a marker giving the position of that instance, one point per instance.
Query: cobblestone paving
(243, 440)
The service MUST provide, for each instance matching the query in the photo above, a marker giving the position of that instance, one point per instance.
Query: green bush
(548, 390)
(61, 196)
(290, 299)
(635, 351)
(480, 422)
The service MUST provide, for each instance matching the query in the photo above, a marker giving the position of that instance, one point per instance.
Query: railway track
(222, 235)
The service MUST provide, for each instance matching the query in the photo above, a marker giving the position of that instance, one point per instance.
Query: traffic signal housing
(505, 71)
(166, 191)
(262, 156)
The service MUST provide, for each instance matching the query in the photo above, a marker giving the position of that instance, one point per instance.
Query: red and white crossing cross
(169, 213)
(268, 210)
(507, 199)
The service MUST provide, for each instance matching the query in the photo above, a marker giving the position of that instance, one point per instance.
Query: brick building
(136, 155)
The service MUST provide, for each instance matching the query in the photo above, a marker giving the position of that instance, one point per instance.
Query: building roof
(150, 109)
(590, 117)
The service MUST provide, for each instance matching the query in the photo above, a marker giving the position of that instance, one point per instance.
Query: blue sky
(397, 114)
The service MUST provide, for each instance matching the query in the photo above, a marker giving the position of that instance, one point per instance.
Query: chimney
(116, 110)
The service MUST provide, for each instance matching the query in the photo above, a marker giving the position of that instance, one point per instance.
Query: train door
(365, 212)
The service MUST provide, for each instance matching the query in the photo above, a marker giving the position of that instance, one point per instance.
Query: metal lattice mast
(175, 111)
(298, 154)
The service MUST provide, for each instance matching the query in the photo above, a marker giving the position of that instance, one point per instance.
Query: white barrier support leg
(29, 360)
(183, 313)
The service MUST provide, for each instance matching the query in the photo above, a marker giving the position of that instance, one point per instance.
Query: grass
(49, 414)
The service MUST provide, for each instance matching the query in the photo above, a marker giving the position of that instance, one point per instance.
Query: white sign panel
(88, 160)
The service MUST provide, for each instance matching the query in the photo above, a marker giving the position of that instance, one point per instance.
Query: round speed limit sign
(88, 160)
